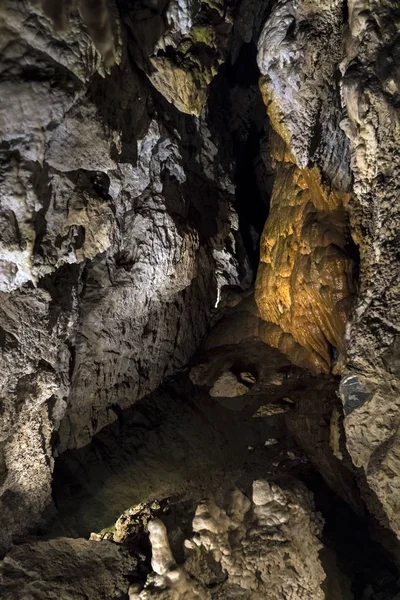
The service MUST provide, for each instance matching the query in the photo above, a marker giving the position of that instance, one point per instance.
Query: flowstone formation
(266, 547)
(305, 282)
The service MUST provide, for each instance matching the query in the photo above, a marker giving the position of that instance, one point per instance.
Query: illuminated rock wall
(329, 70)
(305, 280)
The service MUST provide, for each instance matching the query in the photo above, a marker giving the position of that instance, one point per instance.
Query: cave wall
(118, 230)
(119, 223)
(331, 85)
(370, 387)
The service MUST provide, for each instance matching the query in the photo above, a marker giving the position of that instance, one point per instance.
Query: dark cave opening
(252, 201)
(240, 125)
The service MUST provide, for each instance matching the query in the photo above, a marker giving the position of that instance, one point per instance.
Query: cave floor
(179, 445)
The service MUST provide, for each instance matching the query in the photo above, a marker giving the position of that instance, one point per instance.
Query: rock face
(232, 416)
(66, 568)
(326, 74)
(180, 45)
(299, 50)
(118, 233)
(370, 387)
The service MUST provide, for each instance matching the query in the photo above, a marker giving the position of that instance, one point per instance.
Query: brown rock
(305, 280)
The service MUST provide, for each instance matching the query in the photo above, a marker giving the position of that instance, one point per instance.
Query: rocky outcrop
(180, 45)
(299, 50)
(118, 233)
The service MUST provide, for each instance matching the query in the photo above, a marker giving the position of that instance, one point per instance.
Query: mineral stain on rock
(353, 393)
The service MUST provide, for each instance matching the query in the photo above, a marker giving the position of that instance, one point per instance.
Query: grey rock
(354, 395)
(118, 232)
(70, 569)
(228, 386)
(370, 91)
(298, 54)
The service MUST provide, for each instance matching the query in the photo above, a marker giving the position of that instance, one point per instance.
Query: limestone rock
(66, 568)
(227, 385)
(265, 548)
(325, 73)
(182, 49)
(182, 429)
(118, 231)
(135, 152)
(96, 18)
(370, 91)
(179, 86)
(298, 54)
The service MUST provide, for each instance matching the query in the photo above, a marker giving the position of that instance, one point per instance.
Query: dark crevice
(252, 204)
(345, 11)
(238, 121)
(62, 286)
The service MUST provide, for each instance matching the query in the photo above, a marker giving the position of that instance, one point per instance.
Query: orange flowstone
(305, 283)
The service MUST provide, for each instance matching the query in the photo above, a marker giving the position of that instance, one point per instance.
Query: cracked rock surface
(118, 231)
